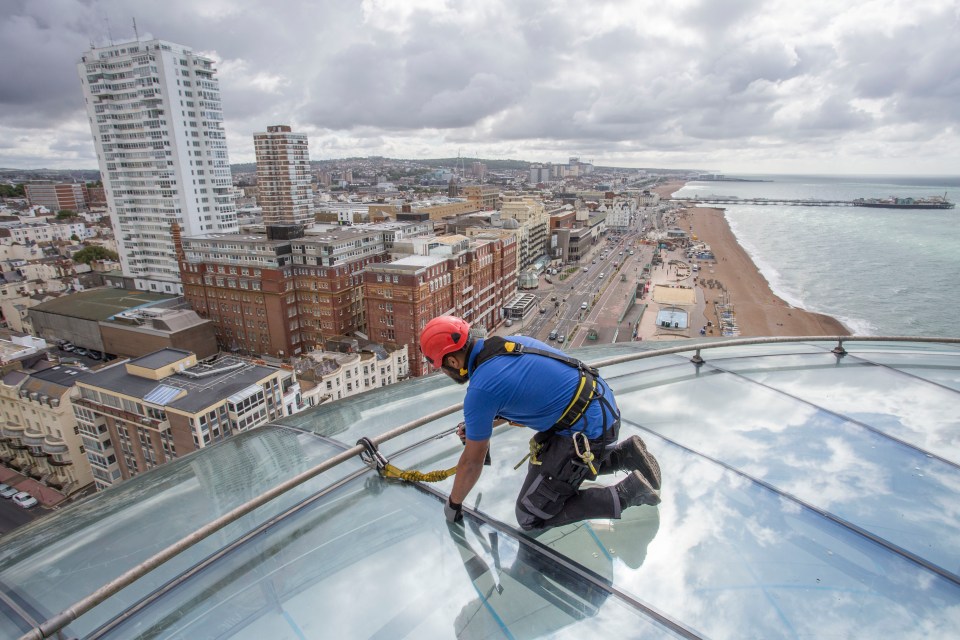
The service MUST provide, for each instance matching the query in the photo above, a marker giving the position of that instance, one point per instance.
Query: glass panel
(55, 561)
(940, 368)
(834, 465)
(722, 542)
(922, 414)
(377, 560)
(734, 559)
(11, 624)
(380, 410)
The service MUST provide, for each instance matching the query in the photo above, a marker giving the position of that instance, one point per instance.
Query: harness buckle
(371, 456)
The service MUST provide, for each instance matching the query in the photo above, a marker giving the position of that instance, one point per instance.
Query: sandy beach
(759, 312)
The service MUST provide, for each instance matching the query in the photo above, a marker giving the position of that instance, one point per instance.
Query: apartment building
(283, 177)
(157, 123)
(284, 297)
(483, 197)
(141, 413)
(534, 226)
(469, 277)
(331, 375)
(327, 278)
(57, 196)
(244, 284)
(41, 231)
(39, 438)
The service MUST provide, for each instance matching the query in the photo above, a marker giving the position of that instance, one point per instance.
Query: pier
(766, 201)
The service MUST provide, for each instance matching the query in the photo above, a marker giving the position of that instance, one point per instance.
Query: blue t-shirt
(528, 389)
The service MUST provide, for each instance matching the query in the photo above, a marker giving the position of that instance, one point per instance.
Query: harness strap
(586, 389)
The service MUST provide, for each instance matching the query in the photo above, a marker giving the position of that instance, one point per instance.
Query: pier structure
(766, 201)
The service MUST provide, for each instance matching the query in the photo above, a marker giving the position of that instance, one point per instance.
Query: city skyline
(746, 87)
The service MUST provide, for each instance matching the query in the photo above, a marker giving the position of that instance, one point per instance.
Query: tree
(63, 214)
(94, 252)
(11, 191)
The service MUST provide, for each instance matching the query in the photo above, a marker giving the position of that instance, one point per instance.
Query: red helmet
(443, 335)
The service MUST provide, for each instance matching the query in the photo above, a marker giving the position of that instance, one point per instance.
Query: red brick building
(471, 278)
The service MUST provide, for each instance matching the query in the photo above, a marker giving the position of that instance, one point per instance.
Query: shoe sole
(645, 492)
(646, 463)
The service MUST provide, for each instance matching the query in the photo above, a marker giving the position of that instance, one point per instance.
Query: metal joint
(839, 350)
(371, 456)
(696, 359)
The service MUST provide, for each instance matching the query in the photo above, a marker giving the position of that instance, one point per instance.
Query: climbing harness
(372, 457)
(586, 389)
(585, 393)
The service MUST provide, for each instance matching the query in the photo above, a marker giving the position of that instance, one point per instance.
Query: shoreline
(759, 311)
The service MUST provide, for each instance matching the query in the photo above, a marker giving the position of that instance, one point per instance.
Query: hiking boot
(632, 454)
(634, 490)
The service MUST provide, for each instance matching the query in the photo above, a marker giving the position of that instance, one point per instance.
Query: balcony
(12, 430)
(55, 446)
(32, 438)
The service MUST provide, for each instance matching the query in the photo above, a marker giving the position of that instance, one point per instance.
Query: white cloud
(744, 85)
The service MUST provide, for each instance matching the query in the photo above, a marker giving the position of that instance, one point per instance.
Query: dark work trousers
(551, 495)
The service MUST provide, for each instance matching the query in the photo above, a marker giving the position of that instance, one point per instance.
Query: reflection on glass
(377, 559)
(55, 561)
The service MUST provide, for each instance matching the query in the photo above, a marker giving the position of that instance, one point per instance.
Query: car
(543, 309)
(585, 269)
(561, 338)
(68, 346)
(601, 274)
(553, 335)
(594, 262)
(95, 355)
(25, 500)
(583, 305)
(80, 351)
(8, 492)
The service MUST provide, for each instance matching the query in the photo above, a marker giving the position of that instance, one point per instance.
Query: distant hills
(92, 175)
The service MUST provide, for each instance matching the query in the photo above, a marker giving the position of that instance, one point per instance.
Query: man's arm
(468, 469)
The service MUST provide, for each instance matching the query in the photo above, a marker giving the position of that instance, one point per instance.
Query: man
(572, 410)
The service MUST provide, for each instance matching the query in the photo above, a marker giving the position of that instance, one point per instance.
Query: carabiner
(372, 456)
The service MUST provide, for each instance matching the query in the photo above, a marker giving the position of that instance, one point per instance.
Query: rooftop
(99, 304)
(806, 493)
(205, 384)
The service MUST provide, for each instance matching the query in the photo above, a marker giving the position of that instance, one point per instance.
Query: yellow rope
(535, 448)
(412, 475)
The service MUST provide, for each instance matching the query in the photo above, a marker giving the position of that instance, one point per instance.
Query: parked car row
(20, 498)
(69, 347)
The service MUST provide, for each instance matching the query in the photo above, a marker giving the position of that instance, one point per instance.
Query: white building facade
(283, 177)
(155, 114)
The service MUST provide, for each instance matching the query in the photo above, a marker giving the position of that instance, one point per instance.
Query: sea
(881, 272)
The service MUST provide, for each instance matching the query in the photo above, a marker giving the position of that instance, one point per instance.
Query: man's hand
(462, 432)
(453, 512)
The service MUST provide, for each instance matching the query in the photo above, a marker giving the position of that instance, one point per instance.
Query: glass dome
(805, 494)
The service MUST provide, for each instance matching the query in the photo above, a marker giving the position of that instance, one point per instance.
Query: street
(12, 516)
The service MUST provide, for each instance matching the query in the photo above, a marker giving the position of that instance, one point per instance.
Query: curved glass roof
(805, 494)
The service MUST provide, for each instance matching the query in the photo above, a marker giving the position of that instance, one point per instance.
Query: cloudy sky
(818, 86)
